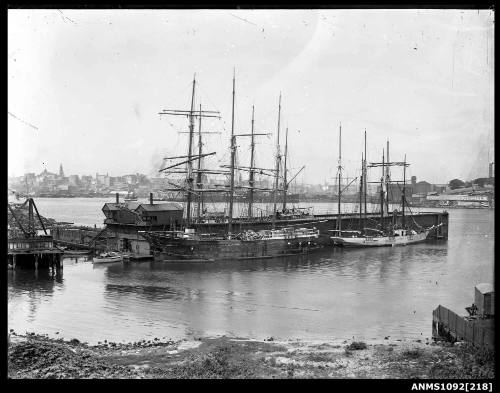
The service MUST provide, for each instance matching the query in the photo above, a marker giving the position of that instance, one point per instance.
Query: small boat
(107, 257)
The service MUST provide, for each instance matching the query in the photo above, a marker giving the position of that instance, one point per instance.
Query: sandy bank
(36, 356)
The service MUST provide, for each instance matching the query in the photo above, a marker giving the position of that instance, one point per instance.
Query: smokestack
(117, 198)
(151, 198)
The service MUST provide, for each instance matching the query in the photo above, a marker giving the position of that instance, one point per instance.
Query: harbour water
(335, 293)
(88, 211)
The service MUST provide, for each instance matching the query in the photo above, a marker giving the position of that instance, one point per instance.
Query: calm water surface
(334, 293)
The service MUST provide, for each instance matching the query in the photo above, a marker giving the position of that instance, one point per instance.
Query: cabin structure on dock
(124, 221)
(26, 248)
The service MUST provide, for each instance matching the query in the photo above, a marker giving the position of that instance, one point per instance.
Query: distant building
(395, 192)
(118, 182)
(103, 180)
(461, 200)
(47, 175)
(86, 180)
(422, 187)
(130, 179)
(440, 188)
(74, 180)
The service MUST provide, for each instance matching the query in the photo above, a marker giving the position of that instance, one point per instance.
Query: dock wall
(79, 237)
(327, 222)
(114, 237)
(126, 238)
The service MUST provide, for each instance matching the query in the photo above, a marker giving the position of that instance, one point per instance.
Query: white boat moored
(107, 257)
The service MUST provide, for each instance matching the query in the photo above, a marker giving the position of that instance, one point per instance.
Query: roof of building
(111, 206)
(161, 206)
(134, 206)
(485, 288)
(46, 172)
(462, 190)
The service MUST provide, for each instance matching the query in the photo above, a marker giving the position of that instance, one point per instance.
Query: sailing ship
(192, 242)
(396, 233)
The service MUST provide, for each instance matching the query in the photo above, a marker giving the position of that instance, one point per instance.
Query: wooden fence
(478, 332)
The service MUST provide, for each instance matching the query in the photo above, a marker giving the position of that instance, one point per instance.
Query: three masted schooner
(399, 232)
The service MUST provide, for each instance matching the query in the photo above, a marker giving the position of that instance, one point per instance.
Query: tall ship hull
(188, 246)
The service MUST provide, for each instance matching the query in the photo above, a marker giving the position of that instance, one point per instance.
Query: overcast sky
(85, 87)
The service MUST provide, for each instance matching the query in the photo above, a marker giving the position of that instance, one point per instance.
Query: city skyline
(422, 79)
(333, 181)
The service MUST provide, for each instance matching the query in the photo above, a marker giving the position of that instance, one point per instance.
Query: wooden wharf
(35, 253)
(25, 248)
(480, 332)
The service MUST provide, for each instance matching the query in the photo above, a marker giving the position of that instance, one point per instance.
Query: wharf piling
(34, 253)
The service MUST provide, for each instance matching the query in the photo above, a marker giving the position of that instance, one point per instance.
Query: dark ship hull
(180, 247)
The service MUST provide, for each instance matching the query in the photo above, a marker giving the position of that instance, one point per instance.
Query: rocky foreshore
(34, 356)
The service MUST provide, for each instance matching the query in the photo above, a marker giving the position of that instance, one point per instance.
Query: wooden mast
(339, 167)
(190, 161)
(361, 195)
(233, 148)
(404, 194)
(365, 185)
(189, 189)
(198, 177)
(387, 181)
(251, 180)
(382, 192)
(285, 185)
(278, 160)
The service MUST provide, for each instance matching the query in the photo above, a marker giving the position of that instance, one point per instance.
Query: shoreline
(34, 356)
